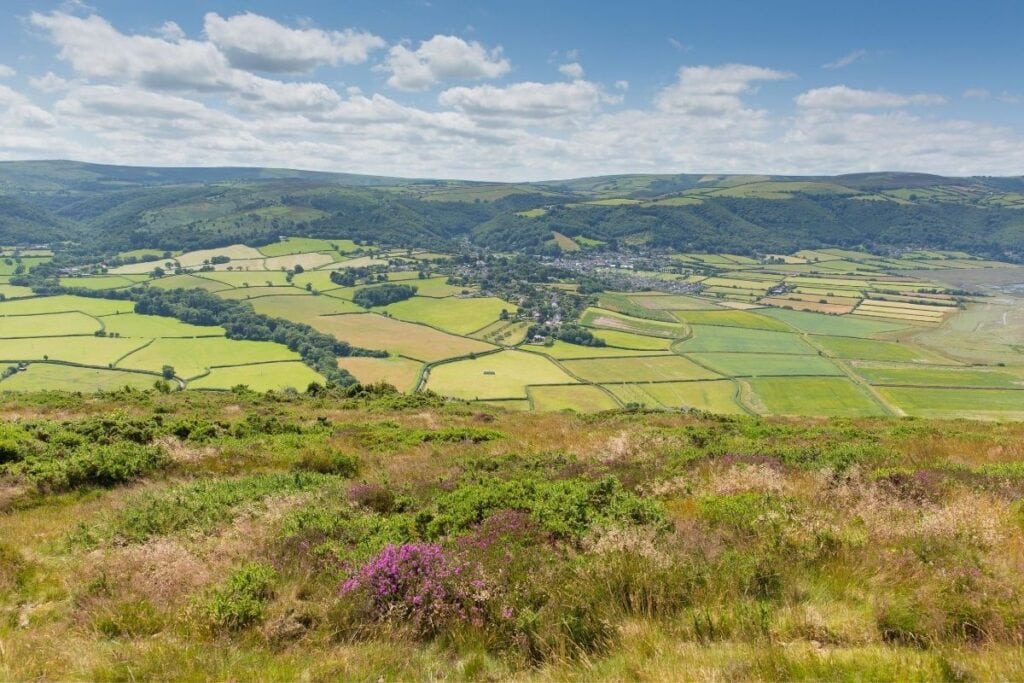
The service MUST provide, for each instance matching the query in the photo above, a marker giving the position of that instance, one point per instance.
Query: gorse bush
(93, 466)
(242, 599)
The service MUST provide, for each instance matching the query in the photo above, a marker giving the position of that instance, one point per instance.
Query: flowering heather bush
(419, 583)
(372, 496)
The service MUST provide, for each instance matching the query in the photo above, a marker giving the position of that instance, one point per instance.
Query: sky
(524, 90)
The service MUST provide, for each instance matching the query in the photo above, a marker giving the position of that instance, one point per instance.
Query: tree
(167, 372)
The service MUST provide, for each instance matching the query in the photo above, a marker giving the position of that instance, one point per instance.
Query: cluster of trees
(570, 333)
(350, 277)
(382, 295)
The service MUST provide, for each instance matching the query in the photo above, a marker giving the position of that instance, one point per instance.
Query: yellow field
(373, 331)
(398, 372)
(505, 374)
(193, 357)
(716, 396)
(581, 398)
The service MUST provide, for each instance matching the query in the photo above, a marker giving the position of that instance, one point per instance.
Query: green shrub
(93, 466)
(328, 461)
(242, 599)
(129, 619)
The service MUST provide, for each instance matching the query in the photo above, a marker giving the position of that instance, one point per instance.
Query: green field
(246, 293)
(48, 325)
(941, 377)
(192, 357)
(716, 396)
(263, 377)
(187, 282)
(504, 332)
(398, 372)
(628, 340)
(458, 316)
(732, 318)
(56, 377)
(765, 364)
(14, 292)
(582, 398)
(63, 303)
(88, 350)
(853, 348)
(637, 369)
(820, 323)
(505, 374)
(151, 326)
(669, 302)
(564, 350)
(955, 403)
(299, 245)
(97, 282)
(250, 278)
(373, 331)
(605, 319)
(302, 309)
(819, 396)
(737, 339)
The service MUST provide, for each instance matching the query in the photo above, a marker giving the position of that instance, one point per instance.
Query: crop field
(637, 369)
(187, 281)
(235, 252)
(309, 261)
(815, 306)
(596, 317)
(151, 326)
(373, 331)
(732, 319)
(852, 348)
(504, 332)
(709, 338)
(843, 326)
(56, 377)
(98, 282)
(582, 398)
(248, 278)
(8, 291)
(48, 325)
(716, 396)
(101, 351)
(821, 396)
(300, 245)
(302, 309)
(246, 293)
(396, 371)
(459, 316)
(193, 357)
(765, 364)
(622, 303)
(993, 404)
(671, 302)
(941, 377)
(564, 350)
(628, 340)
(263, 377)
(64, 303)
(505, 374)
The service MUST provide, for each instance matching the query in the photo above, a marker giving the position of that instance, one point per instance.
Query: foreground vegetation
(373, 535)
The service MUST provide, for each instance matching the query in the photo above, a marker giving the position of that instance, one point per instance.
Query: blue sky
(523, 90)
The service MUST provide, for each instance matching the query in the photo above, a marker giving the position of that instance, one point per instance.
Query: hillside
(110, 208)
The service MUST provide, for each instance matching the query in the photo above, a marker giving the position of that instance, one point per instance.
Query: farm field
(631, 341)
(852, 348)
(819, 396)
(396, 371)
(88, 350)
(193, 357)
(65, 303)
(844, 326)
(604, 319)
(48, 325)
(716, 396)
(302, 309)
(745, 319)
(582, 398)
(505, 374)
(263, 377)
(637, 369)
(563, 350)
(56, 377)
(708, 338)
(765, 364)
(150, 326)
(458, 316)
(941, 377)
(985, 404)
(504, 332)
(419, 342)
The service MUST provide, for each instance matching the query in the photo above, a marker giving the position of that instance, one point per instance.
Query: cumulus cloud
(711, 90)
(846, 60)
(572, 70)
(6, 71)
(257, 43)
(843, 97)
(530, 101)
(443, 58)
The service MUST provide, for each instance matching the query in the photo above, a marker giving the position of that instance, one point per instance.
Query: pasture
(458, 316)
(818, 396)
(193, 357)
(582, 398)
(637, 369)
(504, 374)
(48, 325)
(843, 326)
(629, 340)
(186, 281)
(564, 350)
(57, 377)
(991, 404)
(852, 348)
(64, 303)
(302, 309)
(765, 364)
(605, 319)
(737, 339)
(731, 318)
(263, 377)
(401, 373)
(151, 326)
(941, 377)
(715, 396)
(89, 350)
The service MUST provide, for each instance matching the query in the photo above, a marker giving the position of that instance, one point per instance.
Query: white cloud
(622, 85)
(985, 94)
(171, 31)
(843, 97)
(572, 70)
(443, 58)
(6, 71)
(712, 90)
(846, 60)
(258, 43)
(529, 101)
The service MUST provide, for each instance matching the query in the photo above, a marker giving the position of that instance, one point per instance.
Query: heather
(254, 536)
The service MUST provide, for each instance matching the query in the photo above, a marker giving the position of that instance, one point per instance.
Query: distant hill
(104, 208)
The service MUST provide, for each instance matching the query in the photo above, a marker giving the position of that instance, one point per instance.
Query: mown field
(249, 537)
